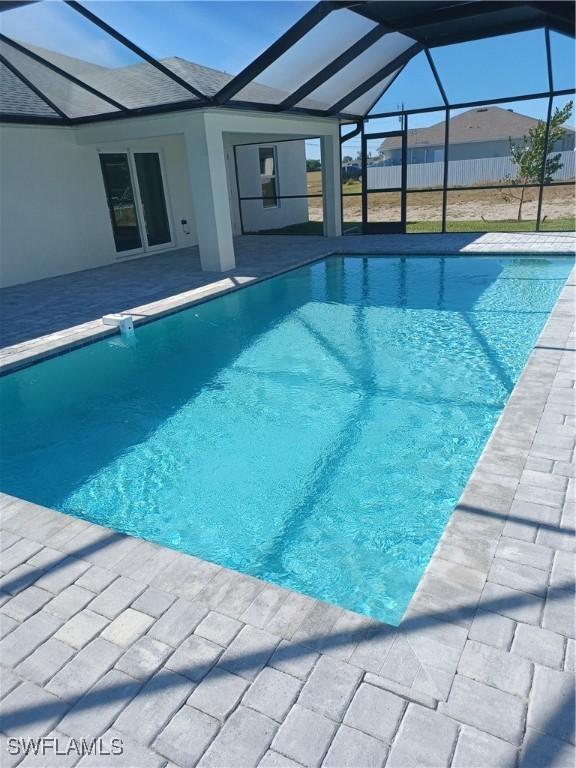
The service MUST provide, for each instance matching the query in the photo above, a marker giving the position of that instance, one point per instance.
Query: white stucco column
(331, 185)
(209, 184)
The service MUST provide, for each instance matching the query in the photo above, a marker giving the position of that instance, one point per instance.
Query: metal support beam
(543, 168)
(510, 28)
(483, 103)
(364, 190)
(436, 77)
(134, 48)
(335, 66)
(260, 107)
(559, 15)
(380, 95)
(34, 89)
(314, 16)
(446, 168)
(352, 133)
(376, 78)
(560, 10)
(452, 13)
(48, 64)
(416, 25)
(548, 118)
(561, 26)
(12, 118)
(404, 177)
(549, 60)
(9, 5)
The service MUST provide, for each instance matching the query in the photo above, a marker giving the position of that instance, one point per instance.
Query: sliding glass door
(136, 201)
(152, 198)
(121, 201)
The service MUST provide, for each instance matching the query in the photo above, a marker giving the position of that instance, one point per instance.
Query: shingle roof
(73, 100)
(210, 81)
(134, 86)
(16, 97)
(481, 124)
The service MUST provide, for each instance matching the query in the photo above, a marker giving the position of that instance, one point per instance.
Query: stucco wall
(53, 212)
(290, 180)
(55, 217)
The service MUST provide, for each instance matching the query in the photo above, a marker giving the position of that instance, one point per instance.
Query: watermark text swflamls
(48, 745)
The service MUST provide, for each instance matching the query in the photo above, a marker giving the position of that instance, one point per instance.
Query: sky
(224, 34)
(228, 34)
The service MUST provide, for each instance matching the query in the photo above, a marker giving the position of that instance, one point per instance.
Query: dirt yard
(463, 205)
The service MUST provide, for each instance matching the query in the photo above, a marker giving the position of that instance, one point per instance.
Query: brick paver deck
(188, 663)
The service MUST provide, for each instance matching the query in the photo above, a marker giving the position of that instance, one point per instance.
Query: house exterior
(136, 154)
(483, 132)
(83, 196)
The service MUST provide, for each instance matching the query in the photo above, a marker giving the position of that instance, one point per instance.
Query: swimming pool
(314, 430)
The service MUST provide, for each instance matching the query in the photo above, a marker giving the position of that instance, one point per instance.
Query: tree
(528, 154)
(313, 165)
(346, 159)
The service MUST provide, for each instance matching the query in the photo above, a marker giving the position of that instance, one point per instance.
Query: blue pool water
(314, 430)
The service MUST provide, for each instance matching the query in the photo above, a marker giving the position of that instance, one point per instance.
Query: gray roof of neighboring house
(134, 86)
(480, 124)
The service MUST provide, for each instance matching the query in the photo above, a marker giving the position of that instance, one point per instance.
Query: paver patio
(50, 306)
(190, 663)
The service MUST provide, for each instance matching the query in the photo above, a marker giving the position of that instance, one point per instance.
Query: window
(268, 177)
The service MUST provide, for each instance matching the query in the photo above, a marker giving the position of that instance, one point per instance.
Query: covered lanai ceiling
(336, 60)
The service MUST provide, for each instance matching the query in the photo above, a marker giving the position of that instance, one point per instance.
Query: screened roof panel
(79, 48)
(70, 98)
(55, 26)
(444, 22)
(224, 36)
(362, 105)
(103, 58)
(368, 63)
(134, 86)
(17, 98)
(339, 30)
(414, 88)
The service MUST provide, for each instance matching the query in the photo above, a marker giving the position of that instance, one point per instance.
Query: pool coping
(436, 625)
(61, 342)
(36, 350)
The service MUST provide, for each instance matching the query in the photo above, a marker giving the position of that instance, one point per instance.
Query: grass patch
(554, 225)
(567, 224)
(351, 187)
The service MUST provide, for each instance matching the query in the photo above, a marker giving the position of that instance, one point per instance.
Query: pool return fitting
(124, 323)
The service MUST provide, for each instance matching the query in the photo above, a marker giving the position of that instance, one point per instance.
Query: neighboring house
(479, 133)
(85, 195)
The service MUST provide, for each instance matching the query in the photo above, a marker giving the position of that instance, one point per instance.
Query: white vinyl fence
(461, 173)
